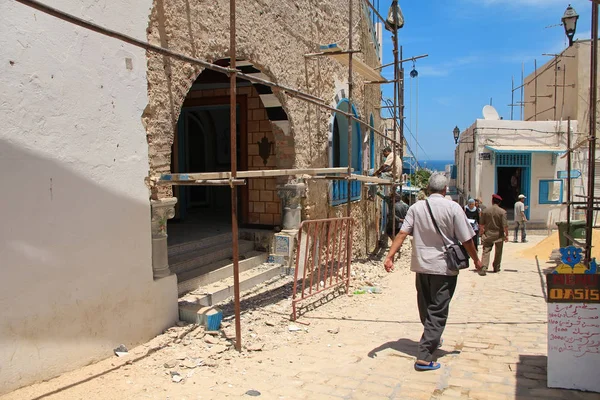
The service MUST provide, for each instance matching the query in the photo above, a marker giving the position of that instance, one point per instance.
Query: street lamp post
(395, 21)
(569, 21)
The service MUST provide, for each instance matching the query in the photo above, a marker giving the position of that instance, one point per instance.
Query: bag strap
(436, 225)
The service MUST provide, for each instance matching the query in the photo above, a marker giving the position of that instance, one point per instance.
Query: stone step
(214, 272)
(222, 290)
(193, 245)
(197, 258)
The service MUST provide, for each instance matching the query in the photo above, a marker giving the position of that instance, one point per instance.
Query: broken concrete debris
(211, 339)
(176, 377)
(121, 351)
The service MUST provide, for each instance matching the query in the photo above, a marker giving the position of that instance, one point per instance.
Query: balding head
(438, 183)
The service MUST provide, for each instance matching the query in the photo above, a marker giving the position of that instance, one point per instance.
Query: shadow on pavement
(532, 381)
(407, 347)
(531, 376)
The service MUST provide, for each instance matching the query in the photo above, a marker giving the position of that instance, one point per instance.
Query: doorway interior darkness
(202, 144)
(511, 182)
(513, 177)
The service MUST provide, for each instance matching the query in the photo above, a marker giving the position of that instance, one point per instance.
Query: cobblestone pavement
(494, 348)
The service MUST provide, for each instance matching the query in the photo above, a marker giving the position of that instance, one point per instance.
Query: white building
(75, 238)
(515, 157)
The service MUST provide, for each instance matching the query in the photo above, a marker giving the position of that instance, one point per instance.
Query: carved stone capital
(162, 211)
(291, 194)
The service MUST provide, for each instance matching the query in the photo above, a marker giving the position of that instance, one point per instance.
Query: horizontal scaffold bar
(210, 182)
(171, 178)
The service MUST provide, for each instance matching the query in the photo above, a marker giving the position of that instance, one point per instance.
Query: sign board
(573, 288)
(575, 173)
(485, 156)
(574, 323)
(574, 346)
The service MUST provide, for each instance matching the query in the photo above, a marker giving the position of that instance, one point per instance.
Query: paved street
(494, 348)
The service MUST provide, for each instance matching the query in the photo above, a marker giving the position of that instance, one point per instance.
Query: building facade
(559, 90)
(90, 122)
(512, 158)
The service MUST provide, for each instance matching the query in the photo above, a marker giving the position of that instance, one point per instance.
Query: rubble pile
(186, 349)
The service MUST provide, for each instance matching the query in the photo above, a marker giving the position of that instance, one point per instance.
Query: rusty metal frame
(331, 238)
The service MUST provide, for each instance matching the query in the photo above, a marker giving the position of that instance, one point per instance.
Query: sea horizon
(435, 165)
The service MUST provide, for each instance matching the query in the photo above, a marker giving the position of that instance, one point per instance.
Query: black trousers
(434, 293)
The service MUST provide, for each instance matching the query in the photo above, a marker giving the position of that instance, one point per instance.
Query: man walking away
(520, 218)
(435, 278)
(493, 228)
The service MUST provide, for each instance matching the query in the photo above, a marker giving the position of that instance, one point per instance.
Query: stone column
(162, 210)
(291, 196)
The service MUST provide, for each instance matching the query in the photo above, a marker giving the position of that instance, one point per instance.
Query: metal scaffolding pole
(349, 182)
(592, 135)
(395, 117)
(350, 84)
(233, 151)
(569, 177)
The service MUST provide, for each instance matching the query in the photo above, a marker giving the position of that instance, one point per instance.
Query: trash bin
(577, 231)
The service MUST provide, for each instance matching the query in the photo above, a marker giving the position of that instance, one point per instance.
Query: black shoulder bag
(456, 255)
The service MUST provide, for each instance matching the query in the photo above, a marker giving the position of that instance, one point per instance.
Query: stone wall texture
(274, 36)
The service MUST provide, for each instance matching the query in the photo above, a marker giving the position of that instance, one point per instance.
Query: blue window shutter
(543, 192)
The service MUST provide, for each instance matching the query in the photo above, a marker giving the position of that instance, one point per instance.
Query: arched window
(339, 153)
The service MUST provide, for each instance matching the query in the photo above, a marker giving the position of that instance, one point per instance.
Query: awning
(525, 149)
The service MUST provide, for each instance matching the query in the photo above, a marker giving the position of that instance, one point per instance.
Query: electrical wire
(389, 102)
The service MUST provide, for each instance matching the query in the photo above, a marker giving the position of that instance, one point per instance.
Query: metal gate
(323, 257)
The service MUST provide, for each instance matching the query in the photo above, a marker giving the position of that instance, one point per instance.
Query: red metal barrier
(323, 257)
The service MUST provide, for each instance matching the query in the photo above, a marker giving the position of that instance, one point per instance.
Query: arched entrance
(202, 144)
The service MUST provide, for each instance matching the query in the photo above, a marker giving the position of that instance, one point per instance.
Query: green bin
(577, 231)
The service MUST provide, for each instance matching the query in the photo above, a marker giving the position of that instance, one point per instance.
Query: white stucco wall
(75, 242)
(514, 133)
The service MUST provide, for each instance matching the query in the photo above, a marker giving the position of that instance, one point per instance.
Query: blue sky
(474, 47)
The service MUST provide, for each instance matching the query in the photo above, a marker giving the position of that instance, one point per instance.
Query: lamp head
(456, 133)
(395, 19)
(569, 21)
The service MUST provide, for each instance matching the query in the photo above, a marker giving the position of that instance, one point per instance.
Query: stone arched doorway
(201, 143)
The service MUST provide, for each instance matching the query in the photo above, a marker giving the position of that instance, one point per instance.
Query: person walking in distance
(493, 227)
(520, 218)
(435, 278)
(473, 213)
(479, 204)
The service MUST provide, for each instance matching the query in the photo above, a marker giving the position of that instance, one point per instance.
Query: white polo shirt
(428, 249)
